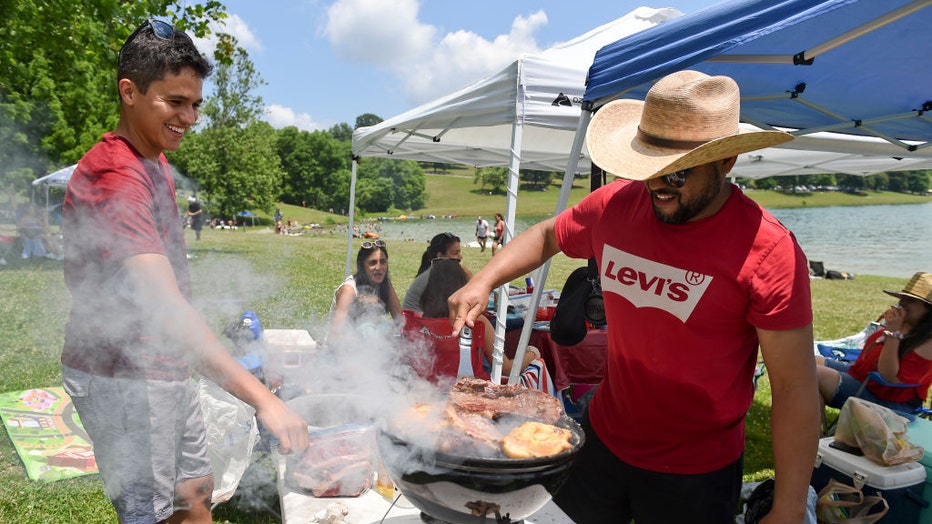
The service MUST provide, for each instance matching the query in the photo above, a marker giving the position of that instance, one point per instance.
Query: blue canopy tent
(844, 76)
(247, 214)
(856, 67)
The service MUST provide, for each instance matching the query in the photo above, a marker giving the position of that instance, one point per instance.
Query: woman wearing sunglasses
(442, 246)
(371, 271)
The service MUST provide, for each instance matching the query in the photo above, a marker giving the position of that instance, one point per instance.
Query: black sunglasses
(162, 30)
(676, 179)
(374, 243)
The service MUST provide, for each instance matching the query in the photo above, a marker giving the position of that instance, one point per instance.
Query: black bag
(580, 300)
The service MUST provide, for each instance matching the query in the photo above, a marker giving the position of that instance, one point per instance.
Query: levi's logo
(646, 283)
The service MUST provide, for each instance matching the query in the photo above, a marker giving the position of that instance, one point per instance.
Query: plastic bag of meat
(339, 462)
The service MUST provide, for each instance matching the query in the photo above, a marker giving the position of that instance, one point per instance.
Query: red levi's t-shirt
(118, 204)
(682, 303)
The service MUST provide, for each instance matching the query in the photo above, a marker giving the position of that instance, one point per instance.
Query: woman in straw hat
(695, 276)
(901, 353)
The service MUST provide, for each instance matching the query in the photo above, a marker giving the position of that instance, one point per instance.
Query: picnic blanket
(47, 434)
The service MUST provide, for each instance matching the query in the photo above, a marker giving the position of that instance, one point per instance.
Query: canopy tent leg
(352, 214)
(562, 201)
(501, 313)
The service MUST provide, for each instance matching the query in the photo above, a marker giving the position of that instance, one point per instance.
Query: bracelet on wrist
(893, 334)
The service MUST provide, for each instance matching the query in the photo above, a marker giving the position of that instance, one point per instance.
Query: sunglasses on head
(162, 30)
(676, 179)
(375, 243)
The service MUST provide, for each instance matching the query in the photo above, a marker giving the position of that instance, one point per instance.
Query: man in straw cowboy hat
(695, 276)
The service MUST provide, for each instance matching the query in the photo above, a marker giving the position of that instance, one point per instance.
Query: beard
(686, 210)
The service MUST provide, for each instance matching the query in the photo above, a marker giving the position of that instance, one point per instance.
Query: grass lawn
(289, 281)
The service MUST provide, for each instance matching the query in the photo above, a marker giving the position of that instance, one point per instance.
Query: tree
(383, 183)
(310, 161)
(58, 64)
(495, 177)
(237, 167)
(233, 103)
(367, 119)
(342, 132)
(535, 178)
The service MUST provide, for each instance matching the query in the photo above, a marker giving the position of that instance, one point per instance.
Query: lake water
(888, 240)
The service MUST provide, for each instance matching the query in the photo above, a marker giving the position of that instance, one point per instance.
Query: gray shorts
(148, 436)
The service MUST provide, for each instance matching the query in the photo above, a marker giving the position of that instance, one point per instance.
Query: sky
(328, 61)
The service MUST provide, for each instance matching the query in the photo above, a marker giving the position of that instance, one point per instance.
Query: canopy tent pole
(349, 229)
(562, 201)
(501, 312)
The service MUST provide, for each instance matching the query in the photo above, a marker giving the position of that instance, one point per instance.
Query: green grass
(289, 281)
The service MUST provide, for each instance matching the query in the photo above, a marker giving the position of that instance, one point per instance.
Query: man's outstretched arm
(525, 252)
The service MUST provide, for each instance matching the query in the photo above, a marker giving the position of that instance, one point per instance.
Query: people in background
(133, 335)
(442, 246)
(195, 213)
(499, 239)
(32, 230)
(482, 233)
(371, 271)
(901, 353)
(695, 276)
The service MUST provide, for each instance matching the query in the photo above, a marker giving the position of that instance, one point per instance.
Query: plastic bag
(231, 437)
(878, 431)
(839, 502)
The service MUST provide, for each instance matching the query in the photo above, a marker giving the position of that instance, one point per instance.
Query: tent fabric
(58, 178)
(861, 70)
(474, 125)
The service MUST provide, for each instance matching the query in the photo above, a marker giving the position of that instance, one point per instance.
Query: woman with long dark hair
(371, 272)
(446, 277)
(901, 353)
(442, 246)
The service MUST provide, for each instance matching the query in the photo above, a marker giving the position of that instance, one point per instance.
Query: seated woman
(447, 276)
(372, 271)
(901, 353)
(442, 246)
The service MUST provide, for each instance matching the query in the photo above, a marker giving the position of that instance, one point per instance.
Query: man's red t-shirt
(682, 303)
(118, 204)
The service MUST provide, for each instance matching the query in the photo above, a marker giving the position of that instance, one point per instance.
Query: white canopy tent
(524, 116)
(58, 178)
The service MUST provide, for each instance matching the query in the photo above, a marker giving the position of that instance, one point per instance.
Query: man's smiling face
(158, 119)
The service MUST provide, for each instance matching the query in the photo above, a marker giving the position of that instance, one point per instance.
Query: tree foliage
(493, 177)
(383, 183)
(236, 167)
(535, 178)
(58, 63)
(233, 102)
(367, 119)
(316, 168)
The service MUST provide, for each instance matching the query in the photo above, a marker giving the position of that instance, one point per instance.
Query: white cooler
(289, 350)
(902, 486)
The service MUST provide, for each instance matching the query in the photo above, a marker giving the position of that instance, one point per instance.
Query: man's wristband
(893, 334)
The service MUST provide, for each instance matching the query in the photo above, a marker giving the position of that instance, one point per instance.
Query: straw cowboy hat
(918, 287)
(687, 119)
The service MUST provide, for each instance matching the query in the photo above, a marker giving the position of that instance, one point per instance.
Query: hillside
(457, 194)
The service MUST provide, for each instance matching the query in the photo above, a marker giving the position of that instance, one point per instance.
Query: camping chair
(848, 348)
(444, 360)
